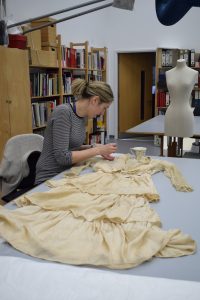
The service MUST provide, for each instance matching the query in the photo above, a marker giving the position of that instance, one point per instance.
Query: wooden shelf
(39, 127)
(87, 72)
(97, 70)
(45, 97)
(70, 68)
(43, 67)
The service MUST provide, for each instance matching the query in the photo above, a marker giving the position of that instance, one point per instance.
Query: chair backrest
(19, 161)
(19, 145)
(28, 181)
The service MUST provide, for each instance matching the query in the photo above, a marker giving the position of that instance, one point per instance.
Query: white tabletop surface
(156, 126)
(177, 210)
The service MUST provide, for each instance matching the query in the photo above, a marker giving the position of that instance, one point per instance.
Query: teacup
(139, 152)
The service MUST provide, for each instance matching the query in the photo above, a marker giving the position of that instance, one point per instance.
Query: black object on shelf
(169, 12)
(3, 33)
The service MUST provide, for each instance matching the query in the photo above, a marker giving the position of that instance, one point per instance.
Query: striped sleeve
(61, 127)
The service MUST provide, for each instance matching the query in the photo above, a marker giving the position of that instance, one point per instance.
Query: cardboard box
(52, 44)
(48, 34)
(43, 58)
(49, 46)
(34, 40)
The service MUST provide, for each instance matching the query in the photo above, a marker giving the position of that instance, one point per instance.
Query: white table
(155, 126)
(176, 210)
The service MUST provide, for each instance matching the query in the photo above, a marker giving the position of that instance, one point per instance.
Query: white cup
(139, 152)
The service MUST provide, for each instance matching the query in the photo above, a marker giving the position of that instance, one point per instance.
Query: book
(73, 58)
(36, 114)
(192, 58)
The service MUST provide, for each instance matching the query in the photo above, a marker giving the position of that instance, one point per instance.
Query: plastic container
(17, 41)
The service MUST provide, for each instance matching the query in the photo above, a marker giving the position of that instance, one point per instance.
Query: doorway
(136, 85)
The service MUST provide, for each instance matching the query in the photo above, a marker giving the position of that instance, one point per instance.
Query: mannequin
(179, 118)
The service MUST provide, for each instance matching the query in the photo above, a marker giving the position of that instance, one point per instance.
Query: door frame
(116, 83)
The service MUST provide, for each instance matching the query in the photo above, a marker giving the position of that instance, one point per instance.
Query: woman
(65, 131)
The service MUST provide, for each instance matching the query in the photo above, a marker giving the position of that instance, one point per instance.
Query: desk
(159, 278)
(155, 126)
(176, 210)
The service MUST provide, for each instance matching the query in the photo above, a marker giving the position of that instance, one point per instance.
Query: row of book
(161, 111)
(67, 82)
(96, 60)
(73, 58)
(46, 84)
(68, 99)
(189, 56)
(97, 138)
(68, 77)
(196, 94)
(76, 58)
(41, 112)
(98, 122)
(163, 99)
(39, 130)
(43, 84)
(162, 83)
(169, 57)
(95, 75)
(196, 102)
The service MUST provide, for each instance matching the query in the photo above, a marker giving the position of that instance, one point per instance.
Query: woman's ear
(94, 100)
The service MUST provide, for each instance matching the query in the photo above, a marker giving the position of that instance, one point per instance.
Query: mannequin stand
(175, 147)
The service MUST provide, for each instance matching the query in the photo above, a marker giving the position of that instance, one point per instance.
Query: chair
(18, 165)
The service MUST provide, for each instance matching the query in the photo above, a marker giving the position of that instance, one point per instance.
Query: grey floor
(124, 145)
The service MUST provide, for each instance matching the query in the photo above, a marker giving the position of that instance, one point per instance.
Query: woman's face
(95, 108)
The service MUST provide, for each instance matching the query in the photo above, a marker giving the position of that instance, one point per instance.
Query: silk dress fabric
(101, 218)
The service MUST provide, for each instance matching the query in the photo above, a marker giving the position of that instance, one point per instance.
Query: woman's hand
(106, 150)
(98, 149)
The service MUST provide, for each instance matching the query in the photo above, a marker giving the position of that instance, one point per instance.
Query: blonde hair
(83, 89)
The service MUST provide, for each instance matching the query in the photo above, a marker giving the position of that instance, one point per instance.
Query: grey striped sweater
(65, 132)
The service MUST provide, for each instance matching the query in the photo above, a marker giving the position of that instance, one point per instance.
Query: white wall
(87, 27)
(119, 30)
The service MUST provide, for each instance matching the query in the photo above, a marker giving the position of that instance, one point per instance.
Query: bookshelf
(34, 82)
(45, 94)
(165, 60)
(80, 61)
(51, 78)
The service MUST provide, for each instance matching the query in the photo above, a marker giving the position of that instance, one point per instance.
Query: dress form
(179, 118)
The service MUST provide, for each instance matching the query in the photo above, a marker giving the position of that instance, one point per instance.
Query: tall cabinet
(15, 104)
